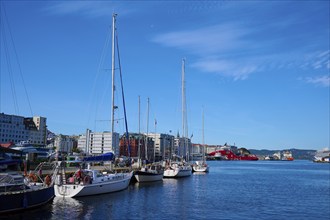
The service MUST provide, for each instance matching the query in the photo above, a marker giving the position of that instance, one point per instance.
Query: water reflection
(69, 208)
(148, 184)
(199, 173)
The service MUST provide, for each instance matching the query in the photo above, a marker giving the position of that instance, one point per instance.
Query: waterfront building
(64, 143)
(97, 143)
(135, 140)
(163, 145)
(182, 147)
(157, 145)
(19, 129)
(212, 148)
(197, 151)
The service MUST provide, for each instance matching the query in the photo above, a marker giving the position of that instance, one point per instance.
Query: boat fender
(48, 180)
(33, 177)
(87, 180)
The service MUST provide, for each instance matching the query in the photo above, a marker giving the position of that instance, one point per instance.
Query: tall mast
(139, 147)
(154, 159)
(184, 113)
(182, 107)
(113, 74)
(183, 97)
(146, 142)
(203, 135)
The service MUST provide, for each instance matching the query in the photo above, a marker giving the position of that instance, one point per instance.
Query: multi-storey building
(97, 143)
(64, 143)
(163, 145)
(18, 129)
(197, 151)
(182, 146)
(153, 147)
(137, 143)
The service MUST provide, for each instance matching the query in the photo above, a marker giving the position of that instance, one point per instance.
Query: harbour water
(231, 190)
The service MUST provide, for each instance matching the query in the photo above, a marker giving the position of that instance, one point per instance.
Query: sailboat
(152, 172)
(149, 173)
(201, 166)
(19, 190)
(86, 182)
(180, 168)
(19, 193)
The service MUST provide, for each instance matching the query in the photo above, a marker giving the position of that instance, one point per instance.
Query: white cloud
(321, 80)
(88, 8)
(238, 50)
(226, 68)
(206, 41)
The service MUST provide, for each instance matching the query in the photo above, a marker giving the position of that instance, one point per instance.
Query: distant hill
(296, 153)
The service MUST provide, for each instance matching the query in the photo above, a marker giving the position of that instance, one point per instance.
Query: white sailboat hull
(116, 182)
(200, 169)
(177, 171)
(200, 166)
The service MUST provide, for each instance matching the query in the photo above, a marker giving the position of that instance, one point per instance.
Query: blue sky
(260, 69)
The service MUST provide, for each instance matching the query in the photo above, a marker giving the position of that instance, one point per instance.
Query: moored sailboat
(91, 181)
(19, 193)
(174, 168)
(148, 173)
(86, 182)
(201, 166)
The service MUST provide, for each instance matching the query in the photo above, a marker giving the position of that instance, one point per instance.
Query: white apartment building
(64, 143)
(18, 129)
(98, 143)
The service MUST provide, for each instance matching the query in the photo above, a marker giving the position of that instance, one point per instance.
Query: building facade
(163, 145)
(153, 146)
(97, 143)
(16, 129)
(64, 143)
(137, 143)
(182, 147)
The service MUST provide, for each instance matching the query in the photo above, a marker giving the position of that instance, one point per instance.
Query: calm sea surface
(231, 190)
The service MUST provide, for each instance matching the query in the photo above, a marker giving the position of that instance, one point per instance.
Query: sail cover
(103, 157)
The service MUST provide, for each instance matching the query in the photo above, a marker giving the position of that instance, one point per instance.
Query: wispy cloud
(218, 49)
(88, 8)
(226, 68)
(323, 81)
(206, 41)
(236, 50)
(316, 60)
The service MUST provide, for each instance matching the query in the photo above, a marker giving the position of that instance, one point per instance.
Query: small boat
(19, 193)
(201, 166)
(177, 169)
(149, 173)
(86, 182)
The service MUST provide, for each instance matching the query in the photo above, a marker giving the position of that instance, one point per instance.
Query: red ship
(232, 153)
